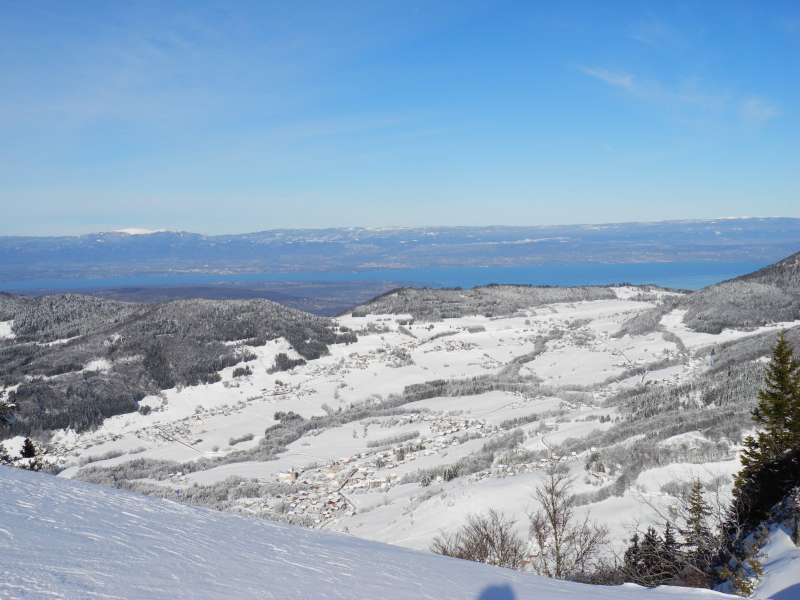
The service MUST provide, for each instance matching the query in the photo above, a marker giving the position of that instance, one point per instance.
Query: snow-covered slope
(781, 562)
(64, 539)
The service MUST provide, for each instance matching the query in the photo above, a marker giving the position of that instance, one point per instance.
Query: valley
(425, 419)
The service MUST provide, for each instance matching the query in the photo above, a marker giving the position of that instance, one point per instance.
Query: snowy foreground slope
(781, 566)
(64, 539)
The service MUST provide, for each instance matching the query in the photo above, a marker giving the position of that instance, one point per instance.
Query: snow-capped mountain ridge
(139, 231)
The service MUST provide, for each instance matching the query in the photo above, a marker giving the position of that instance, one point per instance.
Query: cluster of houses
(331, 490)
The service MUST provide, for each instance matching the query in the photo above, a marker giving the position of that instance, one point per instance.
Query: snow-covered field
(62, 539)
(360, 476)
(5, 330)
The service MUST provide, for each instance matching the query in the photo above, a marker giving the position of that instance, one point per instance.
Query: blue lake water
(686, 275)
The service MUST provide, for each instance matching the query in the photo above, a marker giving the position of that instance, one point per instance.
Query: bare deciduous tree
(562, 546)
(489, 538)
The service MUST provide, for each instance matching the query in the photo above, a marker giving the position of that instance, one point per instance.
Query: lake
(685, 275)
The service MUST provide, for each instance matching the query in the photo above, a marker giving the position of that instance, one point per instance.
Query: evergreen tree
(652, 560)
(778, 410)
(28, 449)
(777, 414)
(770, 465)
(650, 563)
(632, 555)
(670, 552)
(670, 544)
(698, 537)
(760, 482)
(5, 459)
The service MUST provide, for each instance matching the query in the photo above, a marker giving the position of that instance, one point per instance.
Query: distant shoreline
(684, 275)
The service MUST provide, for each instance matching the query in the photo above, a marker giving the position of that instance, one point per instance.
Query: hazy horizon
(135, 230)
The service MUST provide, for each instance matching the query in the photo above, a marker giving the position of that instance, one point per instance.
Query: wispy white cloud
(618, 79)
(758, 110)
(688, 94)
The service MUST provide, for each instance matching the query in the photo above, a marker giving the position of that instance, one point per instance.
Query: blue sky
(244, 116)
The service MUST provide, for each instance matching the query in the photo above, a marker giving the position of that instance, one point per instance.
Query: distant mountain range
(288, 252)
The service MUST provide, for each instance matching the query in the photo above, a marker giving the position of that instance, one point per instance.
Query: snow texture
(6, 332)
(781, 562)
(65, 539)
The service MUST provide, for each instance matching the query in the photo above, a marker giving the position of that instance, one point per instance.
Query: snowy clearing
(6, 331)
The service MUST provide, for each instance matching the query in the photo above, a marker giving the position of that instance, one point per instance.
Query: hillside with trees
(492, 300)
(771, 294)
(75, 360)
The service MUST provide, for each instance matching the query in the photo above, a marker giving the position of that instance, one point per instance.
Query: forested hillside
(492, 300)
(765, 296)
(71, 361)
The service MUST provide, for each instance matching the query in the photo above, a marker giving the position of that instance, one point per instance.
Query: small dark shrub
(242, 371)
